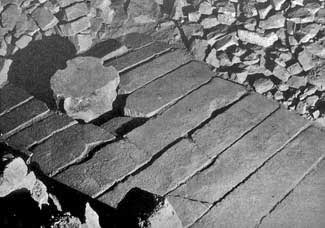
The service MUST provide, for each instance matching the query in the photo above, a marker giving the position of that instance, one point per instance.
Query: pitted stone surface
(147, 72)
(247, 204)
(137, 56)
(159, 94)
(175, 165)
(39, 130)
(110, 163)
(68, 147)
(185, 115)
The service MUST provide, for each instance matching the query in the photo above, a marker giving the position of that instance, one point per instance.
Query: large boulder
(87, 87)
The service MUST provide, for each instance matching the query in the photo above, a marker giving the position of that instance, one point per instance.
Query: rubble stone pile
(276, 47)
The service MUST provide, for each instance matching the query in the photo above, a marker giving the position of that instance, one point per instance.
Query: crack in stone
(255, 171)
(16, 106)
(190, 199)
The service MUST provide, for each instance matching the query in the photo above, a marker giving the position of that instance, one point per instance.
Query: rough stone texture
(161, 93)
(69, 146)
(137, 56)
(272, 22)
(236, 163)
(11, 96)
(304, 207)
(188, 113)
(74, 27)
(39, 130)
(44, 18)
(263, 85)
(22, 114)
(88, 88)
(245, 206)
(255, 38)
(4, 69)
(75, 11)
(135, 40)
(175, 165)
(109, 164)
(147, 72)
(187, 209)
(10, 16)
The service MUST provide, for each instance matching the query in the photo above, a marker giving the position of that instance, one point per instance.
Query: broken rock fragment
(87, 87)
(44, 18)
(263, 85)
(255, 38)
(275, 21)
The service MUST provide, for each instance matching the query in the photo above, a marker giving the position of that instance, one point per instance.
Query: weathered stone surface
(65, 3)
(69, 146)
(263, 85)
(140, 207)
(135, 40)
(255, 198)
(174, 166)
(187, 210)
(255, 38)
(39, 130)
(9, 16)
(88, 88)
(236, 163)
(297, 82)
(272, 22)
(304, 207)
(161, 93)
(4, 69)
(74, 27)
(108, 165)
(137, 56)
(117, 124)
(281, 73)
(199, 48)
(75, 11)
(188, 113)
(305, 59)
(44, 18)
(22, 114)
(147, 72)
(11, 96)
(23, 41)
(229, 126)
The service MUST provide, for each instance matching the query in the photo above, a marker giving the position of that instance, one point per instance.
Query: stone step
(11, 97)
(68, 147)
(22, 116)
(108, 165)
(39, 131)
(147, 72)
(255, 197)
(184, 159)
(163, 92)
(304, 207)
(137, 56)
(185, 115)
(240, 160)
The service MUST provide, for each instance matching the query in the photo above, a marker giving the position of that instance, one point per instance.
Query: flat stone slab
(147, 72)
(185, 115)
(19, 117)
(108, 165)
(161, 93)
(115, 124)
(254, 198)
(11, 97)
(236, 163)
(68, 147)
(164, 174)
(39, 130)
(135, 40)
(137, 56)
(304, 207)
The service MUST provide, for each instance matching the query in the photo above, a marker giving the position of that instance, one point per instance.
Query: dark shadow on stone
(33, 66)
(103, 48)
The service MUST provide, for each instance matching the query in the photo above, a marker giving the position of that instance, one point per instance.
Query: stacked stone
(276, 47)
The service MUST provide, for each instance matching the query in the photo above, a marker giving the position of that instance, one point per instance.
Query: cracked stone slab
(253, 199)
(304, 207)
(237, 162)
(164, 174)
(163, 92)
(147, 72)
(187, 209)
(139, 55)
(22, 116)
(185, 115)
(12, 96)
(108, 165)
(67, 147)
(39, 130)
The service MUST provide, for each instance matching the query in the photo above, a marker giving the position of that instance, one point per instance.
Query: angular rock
(263, 12)
(309, 32)
(76, 10)
(10, 16)
(4, 69)
(199, 48)
(306, 60)
(83, 42)
(206, 8)
(281, 73)
(74, 27)
(44, 18)
(278, 4)
(317, 48)
(255, 38)
(297, 82)
(294, 69)
(263, 85)
(23, 41)
(212, 59)
(210, 22)
(273, 22)
(88, 88)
